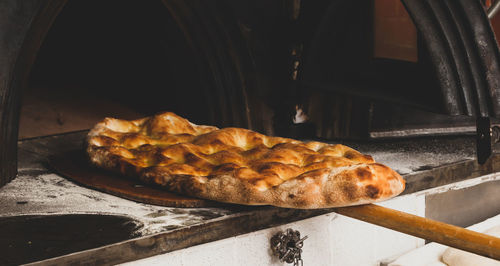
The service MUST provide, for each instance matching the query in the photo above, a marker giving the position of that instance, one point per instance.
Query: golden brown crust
(239, 166)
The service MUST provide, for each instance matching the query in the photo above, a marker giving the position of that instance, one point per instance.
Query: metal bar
(493, 9)
(440, 55)
(486, 47)
(454, 42)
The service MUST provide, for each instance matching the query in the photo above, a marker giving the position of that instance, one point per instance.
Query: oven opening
(124, 59)
(371, 71)
(230, 64)
(76, 62)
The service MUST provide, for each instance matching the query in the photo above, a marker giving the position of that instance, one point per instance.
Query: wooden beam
(439, 232)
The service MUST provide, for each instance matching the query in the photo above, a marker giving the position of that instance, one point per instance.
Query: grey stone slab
(424, 163)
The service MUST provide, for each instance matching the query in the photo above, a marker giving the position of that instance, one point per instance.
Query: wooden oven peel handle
(439, 232)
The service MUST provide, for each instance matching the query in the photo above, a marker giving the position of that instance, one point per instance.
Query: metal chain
(298, 262)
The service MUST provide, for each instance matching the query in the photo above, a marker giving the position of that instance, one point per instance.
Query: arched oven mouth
(124, 59)
(80, 61)
(295, 69)
(138, 58)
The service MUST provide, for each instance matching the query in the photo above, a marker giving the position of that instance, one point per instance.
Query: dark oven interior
(332, 70)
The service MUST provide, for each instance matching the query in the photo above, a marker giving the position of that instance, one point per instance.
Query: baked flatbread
(237, 165)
